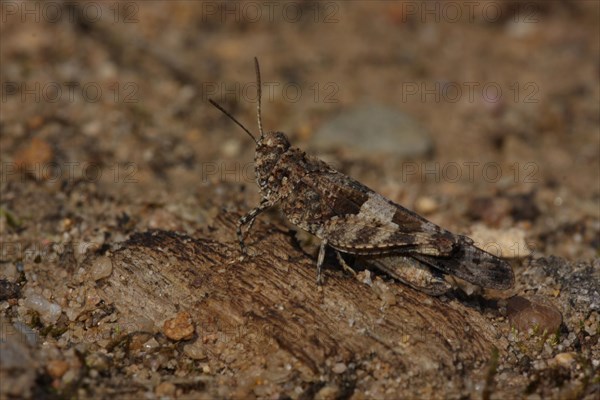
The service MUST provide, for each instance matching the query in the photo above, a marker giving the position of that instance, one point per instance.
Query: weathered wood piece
(269, 309)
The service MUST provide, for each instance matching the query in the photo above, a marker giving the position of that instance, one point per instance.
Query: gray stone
(374, 129)
(17, 368)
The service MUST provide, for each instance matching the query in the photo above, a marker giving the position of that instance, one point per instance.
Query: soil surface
(121, 188)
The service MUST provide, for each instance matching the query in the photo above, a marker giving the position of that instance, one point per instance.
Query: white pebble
(426, 205)
(49, 312)
(508, 243)
(339, 368)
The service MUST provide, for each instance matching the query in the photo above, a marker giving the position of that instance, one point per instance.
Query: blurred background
(460, 106)
(481, 115)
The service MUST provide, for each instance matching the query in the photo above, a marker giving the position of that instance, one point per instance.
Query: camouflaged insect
(354, 220)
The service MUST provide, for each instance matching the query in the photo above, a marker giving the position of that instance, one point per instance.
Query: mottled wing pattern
(360, 221)
(354, 219)
(362, 234)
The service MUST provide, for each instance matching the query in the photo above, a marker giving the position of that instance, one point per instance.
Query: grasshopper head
(269, 149)
(270, 146)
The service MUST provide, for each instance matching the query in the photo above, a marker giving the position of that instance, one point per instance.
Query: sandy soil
(106, 133)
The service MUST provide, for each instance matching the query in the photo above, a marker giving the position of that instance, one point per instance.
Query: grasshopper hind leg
(321, 258)
(343, 263)
(411, 272)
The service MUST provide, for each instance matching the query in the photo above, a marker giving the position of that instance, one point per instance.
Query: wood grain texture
(268, 310)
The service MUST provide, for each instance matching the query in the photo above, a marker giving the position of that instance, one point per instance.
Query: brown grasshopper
(352, 219)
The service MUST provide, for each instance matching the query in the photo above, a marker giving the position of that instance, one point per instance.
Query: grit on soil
(121, 187)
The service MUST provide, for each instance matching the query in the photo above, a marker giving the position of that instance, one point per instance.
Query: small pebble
(92, 128)
(194, 350)
(165, 389)
(231, 148)
(35, 122)
(9, 272)
(35, 158)
(507, 243)
(525, 314)
(384, 292)
(426, 205)
(70, 376)
(365, 277)
(180, 327)
(328, 392)
(339, 368)
(49, 312)
(564, 359)
(57, 368)
(101, 268)
(151, 344)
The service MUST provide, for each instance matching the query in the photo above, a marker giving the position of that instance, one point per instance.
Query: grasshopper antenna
(259, 90)
(214, 103)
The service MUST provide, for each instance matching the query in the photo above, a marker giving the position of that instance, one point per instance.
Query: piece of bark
(269, 309)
